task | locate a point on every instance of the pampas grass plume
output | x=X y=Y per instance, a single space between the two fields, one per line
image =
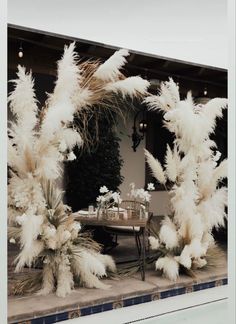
x=155 y=167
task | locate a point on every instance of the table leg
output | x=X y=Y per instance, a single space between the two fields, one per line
x=143 y=256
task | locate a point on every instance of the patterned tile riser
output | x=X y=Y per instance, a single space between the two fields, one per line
x=123 y=303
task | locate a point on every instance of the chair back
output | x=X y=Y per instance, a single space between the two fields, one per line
x=133 y=207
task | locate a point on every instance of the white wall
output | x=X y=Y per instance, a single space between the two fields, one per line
x=188 y=30
x=133 y=168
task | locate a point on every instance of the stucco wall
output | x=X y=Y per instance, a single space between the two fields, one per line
x=133 y=169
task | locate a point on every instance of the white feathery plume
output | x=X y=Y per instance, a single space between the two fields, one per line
x=25 y=193
x=185 y=259
x=110 y=69
x=196 y=203
x=71 y=156
x=48 y=281
x=49 y=166
x=205 y=150
x=168 y=234
x=12 y=214
x=173 y=89
x=170 y=165
x=65 y=282
x=213 y=109
x=221 y=171
x=176 y=158
x=167 y=99
x=182 y=120
x=81 y=98
x=68 y=75
x=49 y=233
x=129 y=87
x=169 y=266
x=22 y=100
x=183 y=202
x=30 y=229
x=28 y=256
x=58 y=114
x=61 y=104
x=188 y=167
x=62 y=235
x=87 y=268
x=205 y=173
x=207 y=115
x=217 y=156
x=207 y=240
x=216 y=205
x=24 y=107
x=155 y=167
x=195 y=226
x=152 y=102
x=199 y=263
x=196 y=249
x=154 y=242
x=71 y=138
x=106 y=260
x=13 y=158
x=92 y=263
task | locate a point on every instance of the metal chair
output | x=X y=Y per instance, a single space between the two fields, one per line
x=136 y=231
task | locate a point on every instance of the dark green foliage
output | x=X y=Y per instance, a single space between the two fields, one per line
x=91 y=170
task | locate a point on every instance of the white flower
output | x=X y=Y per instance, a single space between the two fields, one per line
x=150 y=186
x=101 y=199
x=116 y=197
x=146 y=196
x=12 y=240
x=103 y=189
x=142 y=194
x=71 y=156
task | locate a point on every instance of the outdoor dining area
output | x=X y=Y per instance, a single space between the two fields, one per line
x=102 y=212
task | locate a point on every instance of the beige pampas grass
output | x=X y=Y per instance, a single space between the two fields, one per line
x=132 y=86
x=197 y=204
x=155 y=167
x=168 y=234
x=110 y=70
x=171 y=164
x=48 y=281
x=169 y=266
x=154 y=242
x=38 y=145
x=221 y=171
x=23 y=103
x=167 y=99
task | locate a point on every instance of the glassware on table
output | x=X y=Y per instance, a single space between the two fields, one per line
x=125 y=214
x=90 y=210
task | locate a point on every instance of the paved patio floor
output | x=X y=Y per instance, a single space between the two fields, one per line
x=50 y=309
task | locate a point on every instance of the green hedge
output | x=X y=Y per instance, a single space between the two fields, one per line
x=101 y=165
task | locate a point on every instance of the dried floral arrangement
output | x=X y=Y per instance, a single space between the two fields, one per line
x=194 y=172
x=112 y=200
x=38 y=144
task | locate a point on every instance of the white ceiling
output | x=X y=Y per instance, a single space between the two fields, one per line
x=189 y=30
